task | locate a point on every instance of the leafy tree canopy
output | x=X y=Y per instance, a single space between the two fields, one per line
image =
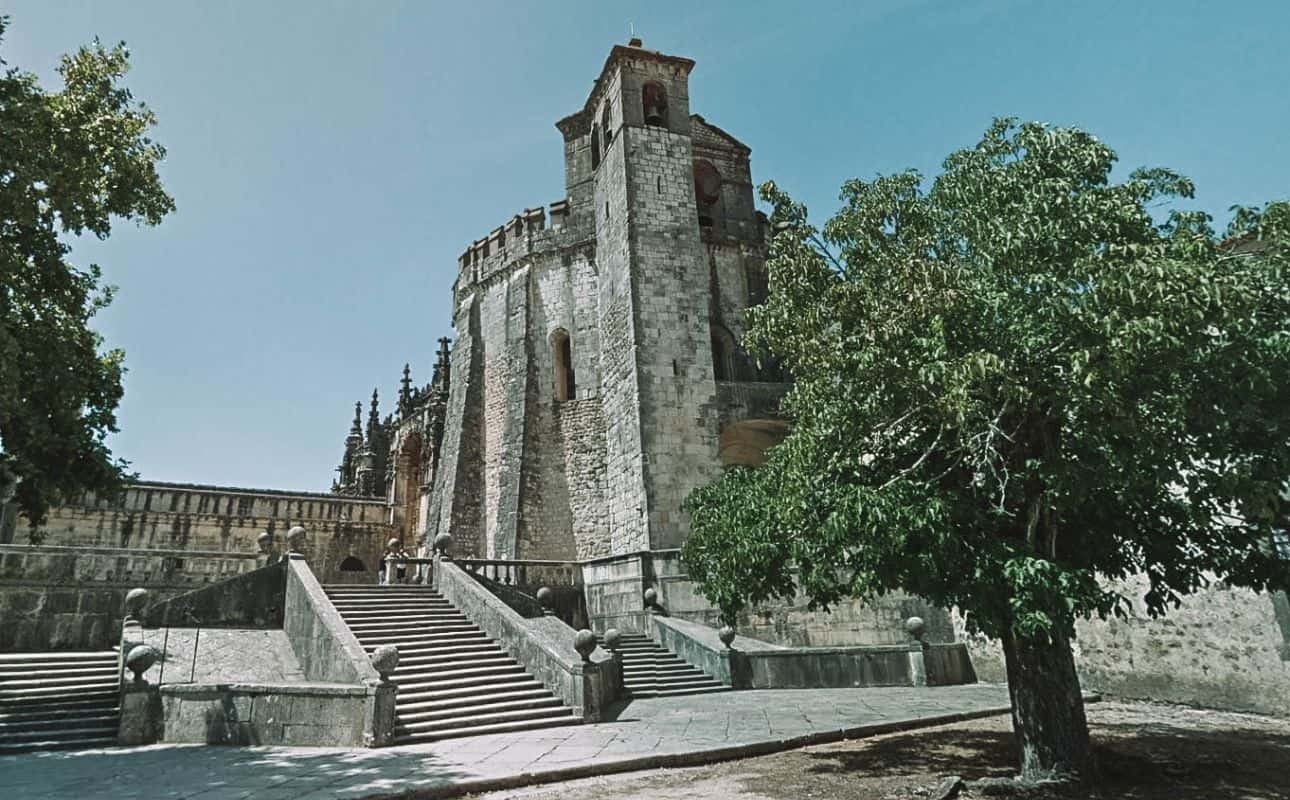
x=1010 y=384
x=70 y=162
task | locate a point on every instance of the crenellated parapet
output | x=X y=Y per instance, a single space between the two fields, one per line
x=533 y=230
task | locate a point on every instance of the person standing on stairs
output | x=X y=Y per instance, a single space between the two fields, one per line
x=400 y=559
x=383 y=567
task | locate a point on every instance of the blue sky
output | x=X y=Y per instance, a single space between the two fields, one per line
x=330 y=160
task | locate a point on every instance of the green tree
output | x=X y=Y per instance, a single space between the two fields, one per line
x=1012 y=388
x=70 y=162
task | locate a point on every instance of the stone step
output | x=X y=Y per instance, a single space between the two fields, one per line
x=677 y=671
x=65 y=714
x=362 y=603
x=437 y=694
x=481 y=730
x=432 y=677
x=72 y=743
x=476 y=717
x=480 y=711
x=539 y=694
x=37 y=723
x=409 y=619
x=71 y=682
x=51 y=692
x=716 y=687
x=469 y=681
x=67 y=732
x=416 y=654
x=485 y=652
x=426 y=638
x=444 y=648
x=23 y=704
x=402 y=630
x=58 y=656
x=70 y=670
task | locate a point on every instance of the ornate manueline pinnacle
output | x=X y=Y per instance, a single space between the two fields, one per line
x=405 y=389
x=374 y=418
x=357 y=428
x=444 y=342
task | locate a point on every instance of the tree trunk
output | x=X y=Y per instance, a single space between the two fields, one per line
x=1047 y=709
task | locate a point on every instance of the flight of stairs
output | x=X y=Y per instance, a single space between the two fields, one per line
x=650 y=670
x=452 y=679
x=58 y=701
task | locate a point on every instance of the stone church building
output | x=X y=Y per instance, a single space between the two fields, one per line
x=595 y=376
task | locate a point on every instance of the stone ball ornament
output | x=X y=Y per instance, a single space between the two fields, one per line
x=385 y=659
x=584 y=641
x=392 y=543
x=726 y=635
x=135 y=600
x=546 y=598
x=613 y=638
x=264 y=541
x=443 y=543
x=915 y=627
x=651 y=597
x=140 y=659
x=296 y=539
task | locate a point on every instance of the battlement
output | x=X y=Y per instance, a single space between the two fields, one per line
x=517 y=230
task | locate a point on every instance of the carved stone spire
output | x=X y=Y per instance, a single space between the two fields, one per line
x=405 y=390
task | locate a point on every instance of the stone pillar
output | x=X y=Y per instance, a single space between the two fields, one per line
x=141 y=714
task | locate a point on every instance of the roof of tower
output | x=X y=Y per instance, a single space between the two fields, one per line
x=617 y=53
x=720 y=133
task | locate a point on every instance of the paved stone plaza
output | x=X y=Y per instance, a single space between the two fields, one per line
x=669 y=731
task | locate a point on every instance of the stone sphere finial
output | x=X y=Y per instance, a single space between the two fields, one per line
x=392 y=543
x=613 y=638
x=135 y=600
x=264 y=541
x=584 y=641
x=443 y=544
x=546 y=598
x=140 y=659
x=651 y=597
x=915 y=627
x=296 y=539
x=726 y=635
x=385 y=659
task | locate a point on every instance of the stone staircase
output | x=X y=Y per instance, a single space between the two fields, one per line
x=651 y=670
x=58 y=701
x=453 y=680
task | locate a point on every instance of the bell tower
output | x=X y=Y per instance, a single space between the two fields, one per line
x=658 y=389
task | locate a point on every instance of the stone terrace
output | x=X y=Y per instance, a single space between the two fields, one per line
x=646 y=733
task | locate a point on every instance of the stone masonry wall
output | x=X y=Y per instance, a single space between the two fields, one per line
x=674 y=361
x=1223 y=648
x=625 y=498
x=67 y=592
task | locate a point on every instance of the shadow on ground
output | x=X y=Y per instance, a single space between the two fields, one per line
x=1138 y=760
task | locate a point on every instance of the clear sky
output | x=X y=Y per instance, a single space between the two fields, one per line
x=331 y=160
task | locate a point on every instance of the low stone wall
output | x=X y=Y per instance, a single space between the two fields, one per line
x=309 y=715
x=251 y=600
x=756 y=665
x=615 y=586
x=327 y=649
x=543 y=645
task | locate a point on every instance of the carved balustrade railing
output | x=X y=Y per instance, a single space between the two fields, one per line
x=512 y=572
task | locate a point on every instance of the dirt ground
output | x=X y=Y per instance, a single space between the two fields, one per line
x=1145 y=752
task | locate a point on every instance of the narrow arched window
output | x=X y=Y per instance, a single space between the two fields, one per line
x=595 y=147
x=654 y=104
x=562 y=351
x=606 y=128
x=707 y=191
x=724 y=353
